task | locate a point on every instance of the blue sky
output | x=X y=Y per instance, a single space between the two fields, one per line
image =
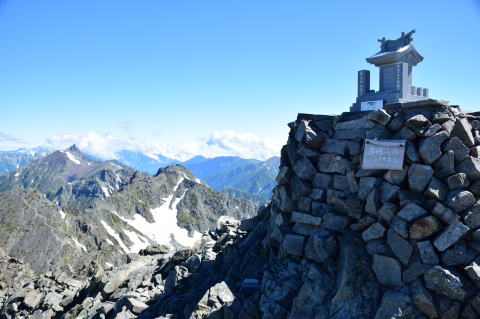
x=170 y=73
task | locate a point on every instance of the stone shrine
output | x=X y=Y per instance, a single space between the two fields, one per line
x=395 y=59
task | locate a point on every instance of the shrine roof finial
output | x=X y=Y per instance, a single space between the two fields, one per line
x=394 y=45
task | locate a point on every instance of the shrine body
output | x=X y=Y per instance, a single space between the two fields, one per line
x=395 y=61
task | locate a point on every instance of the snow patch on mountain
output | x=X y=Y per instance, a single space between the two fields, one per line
x=71 y=157
x=165 y=224
x=114 y=234
x=78 y=244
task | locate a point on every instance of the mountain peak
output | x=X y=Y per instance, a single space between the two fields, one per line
x=73 y=149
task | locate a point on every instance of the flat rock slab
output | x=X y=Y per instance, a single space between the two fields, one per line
x=444 y=282
x=419 y=177
x=387 y=270
x=412 y=211
x=450 y=236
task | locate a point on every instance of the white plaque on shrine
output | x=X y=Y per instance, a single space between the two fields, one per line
x=371 y=105
x=383 y=154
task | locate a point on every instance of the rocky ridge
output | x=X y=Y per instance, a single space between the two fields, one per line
x=336 y=241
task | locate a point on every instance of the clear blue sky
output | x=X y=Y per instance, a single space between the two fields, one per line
x=173 y=70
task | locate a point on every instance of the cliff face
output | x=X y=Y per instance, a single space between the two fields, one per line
x=336 y=241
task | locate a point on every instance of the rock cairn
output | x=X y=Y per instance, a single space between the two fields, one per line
x=421 y=225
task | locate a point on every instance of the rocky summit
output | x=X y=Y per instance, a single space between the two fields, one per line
x=335 y=241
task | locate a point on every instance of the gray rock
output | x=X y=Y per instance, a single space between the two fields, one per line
x=404 y=134
x=450 y=236
x=301 y=129
x=380 y=116
x=284 y=175
x=379 y=132
x=136 y=306
x=304 y=169
x=458 y=181
x=459 y=254
x=422 y=299
x=283 y=199
x=437 y=189
x=432 y=130
x=395 y=124
x=387 y=212
x=313 y=139
x=319 y=248
x=430 y=150
x=463 y=131
x=395 y=177
x=352 y=182
x=419 y=176
x=387 y=270
x=395 y=304
x=334 y=146
x=376 y=247
x=400 y=247
x=414 y=271
x=412 y=211
x=356 y=290
x=318 y=194
x=363 y=223
x=322 y=180
x=407 y=197
x=418 y=124
x=445 y=214
x=32 y=299
x=362 y=122
x=305 y=219
x=305 y=151
x=299 y=188
x=373 y=201
x=330 y=163
x=472 y=217
x=389 y=192
x=427 y=253
x=459 y=200
x=470 y=166
x=365 y=186
x=311 y=296
x=375 y=231
x=400 y=226
x=340 y=182
x=458 y=148
x=304 y=204
x=350 y=206
x=336 y=222
x=445 y=165
x=444 y=282
x=424 y=227
x=353 y=135
x=411 y=152
x=293 y=244
x=473 y=271
x=448 y=126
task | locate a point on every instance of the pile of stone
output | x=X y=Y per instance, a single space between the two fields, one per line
x=159 y=283
x=420 y=224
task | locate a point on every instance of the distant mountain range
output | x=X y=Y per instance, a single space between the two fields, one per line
x=237 y=177
x=61 y=207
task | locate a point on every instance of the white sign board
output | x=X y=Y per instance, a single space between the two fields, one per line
x=383 y=154
x=371 y=105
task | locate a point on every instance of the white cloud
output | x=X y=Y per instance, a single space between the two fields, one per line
x=226 y=143
x=103 y=146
